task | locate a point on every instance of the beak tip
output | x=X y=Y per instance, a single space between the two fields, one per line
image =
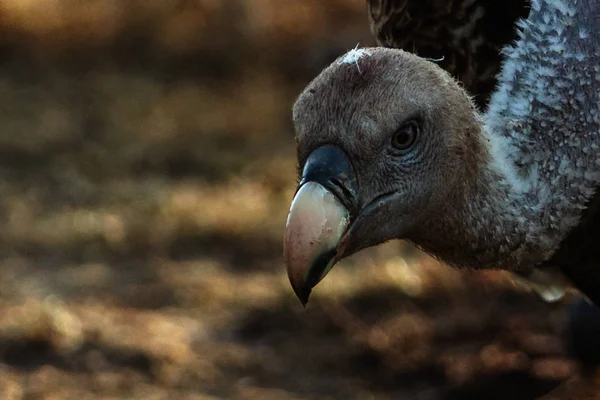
x=303 y=293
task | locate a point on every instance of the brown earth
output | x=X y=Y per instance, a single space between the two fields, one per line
x=146 y=166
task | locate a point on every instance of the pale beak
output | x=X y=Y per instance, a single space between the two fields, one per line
x=319 y=216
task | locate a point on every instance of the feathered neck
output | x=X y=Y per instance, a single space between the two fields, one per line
x=541 y=132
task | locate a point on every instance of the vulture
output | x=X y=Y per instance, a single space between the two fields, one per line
x=391 y=146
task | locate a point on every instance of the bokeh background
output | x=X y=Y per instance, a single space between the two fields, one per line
x=146 y=166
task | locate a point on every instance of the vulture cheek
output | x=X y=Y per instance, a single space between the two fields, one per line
x=378 y=222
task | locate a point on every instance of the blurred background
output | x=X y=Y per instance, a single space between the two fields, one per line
x=146 y=167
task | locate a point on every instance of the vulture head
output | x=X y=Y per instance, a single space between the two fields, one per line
x=388 y=147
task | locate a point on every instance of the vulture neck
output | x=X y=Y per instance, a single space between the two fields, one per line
x=541 y=134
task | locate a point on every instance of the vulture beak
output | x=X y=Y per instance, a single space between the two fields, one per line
x=319 y=217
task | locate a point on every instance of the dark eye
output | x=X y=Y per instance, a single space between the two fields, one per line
x=405 y=136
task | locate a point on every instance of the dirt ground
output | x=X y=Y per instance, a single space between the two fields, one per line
x=146 y=167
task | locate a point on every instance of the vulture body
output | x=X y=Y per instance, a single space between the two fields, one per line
x=390 y=146
x=466 y=36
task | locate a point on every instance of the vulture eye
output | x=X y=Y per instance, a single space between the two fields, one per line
x=405 y=136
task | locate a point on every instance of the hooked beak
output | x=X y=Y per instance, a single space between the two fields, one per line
x=320 y=214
